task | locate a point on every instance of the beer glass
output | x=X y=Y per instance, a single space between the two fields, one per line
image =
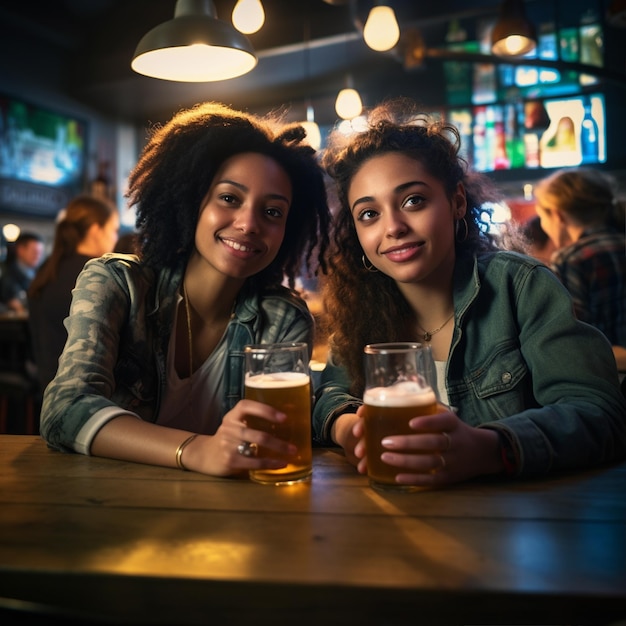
x=400 y=384
x=278 y=375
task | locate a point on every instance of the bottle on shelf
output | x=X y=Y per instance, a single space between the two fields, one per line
x=589 y=135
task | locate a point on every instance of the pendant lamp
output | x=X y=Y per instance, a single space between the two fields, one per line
x=248 y=16
x=381 y=31
x=195 y=46
x=348 y=104
x=513 y=34
x=313 y=134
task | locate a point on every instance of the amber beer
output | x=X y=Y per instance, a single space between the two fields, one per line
x=388 y=411
x=289 y=392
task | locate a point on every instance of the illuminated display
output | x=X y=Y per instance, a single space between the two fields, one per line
x=548 y=133
x=39 y=146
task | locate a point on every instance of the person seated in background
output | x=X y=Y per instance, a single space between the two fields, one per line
x=529 y=388
x=23 y=259
x=87 y=228
x=580 y=212
x=228 y=205
x=540 y=246
x=127 y=244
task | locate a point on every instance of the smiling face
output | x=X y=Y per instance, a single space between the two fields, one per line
x=404 y=219
x=243 y=217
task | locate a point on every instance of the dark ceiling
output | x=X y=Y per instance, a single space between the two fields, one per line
x=306 y=50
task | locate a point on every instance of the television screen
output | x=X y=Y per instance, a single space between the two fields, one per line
x=40 y=146
x=548 y=133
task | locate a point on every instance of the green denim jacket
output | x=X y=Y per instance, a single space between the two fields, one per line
x=120 y=321
x=519 y=363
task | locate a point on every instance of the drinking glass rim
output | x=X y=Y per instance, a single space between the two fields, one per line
x=395 y=347
x=274 y=347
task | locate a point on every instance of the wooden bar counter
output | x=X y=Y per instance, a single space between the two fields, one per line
x=102 y=541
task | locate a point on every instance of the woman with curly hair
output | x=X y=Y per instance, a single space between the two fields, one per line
x=228 y=206
x=533 y=389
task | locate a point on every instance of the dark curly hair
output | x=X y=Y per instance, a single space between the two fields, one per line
x=179 y=162
x=364 y=307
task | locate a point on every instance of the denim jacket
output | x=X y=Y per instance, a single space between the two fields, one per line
x=519 y=363
x=120 y=321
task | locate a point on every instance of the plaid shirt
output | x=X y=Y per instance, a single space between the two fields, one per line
x=594 y=271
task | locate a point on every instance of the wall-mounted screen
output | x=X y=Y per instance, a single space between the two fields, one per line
x=40 y=146
x=549 y=133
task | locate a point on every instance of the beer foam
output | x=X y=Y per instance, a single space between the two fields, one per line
x=277 y=380
x=405 y=393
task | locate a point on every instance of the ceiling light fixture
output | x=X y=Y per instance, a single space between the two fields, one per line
x=248 y=16
x=348 y=104
x=195 y=46
x=313 y=134
x=381 y=31
x=513 y=34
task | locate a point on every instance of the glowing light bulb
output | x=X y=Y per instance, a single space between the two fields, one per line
x=381 y=31
x=11 y=232
x=348 y=104
x=248 y=16
x=313 y=134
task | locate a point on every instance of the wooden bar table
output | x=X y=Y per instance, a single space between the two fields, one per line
x=104 y=541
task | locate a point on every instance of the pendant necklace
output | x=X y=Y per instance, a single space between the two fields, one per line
x=428 y=335
x=190 y=345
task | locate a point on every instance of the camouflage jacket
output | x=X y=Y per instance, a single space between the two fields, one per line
x=114 y=361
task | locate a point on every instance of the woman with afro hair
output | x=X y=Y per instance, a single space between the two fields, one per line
x=230 y=206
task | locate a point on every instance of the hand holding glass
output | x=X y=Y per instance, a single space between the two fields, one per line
x=400 y=384
x=278 y=375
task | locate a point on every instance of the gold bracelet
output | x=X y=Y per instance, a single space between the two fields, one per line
x=179 y=452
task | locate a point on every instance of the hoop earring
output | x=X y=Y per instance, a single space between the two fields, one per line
x=465 y=234
x=370 y=267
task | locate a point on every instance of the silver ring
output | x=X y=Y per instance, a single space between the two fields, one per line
x=443 y=462
x=247 y=449
x=448 y=440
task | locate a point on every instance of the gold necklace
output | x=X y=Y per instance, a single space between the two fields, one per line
x=190 y=343
x=428 y=335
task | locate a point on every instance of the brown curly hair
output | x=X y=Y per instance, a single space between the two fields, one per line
x=364 y=307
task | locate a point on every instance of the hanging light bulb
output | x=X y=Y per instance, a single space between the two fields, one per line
x=248 y=16
x=513 y=34
x=381 y=31
x=348 y=104
x=313 y=135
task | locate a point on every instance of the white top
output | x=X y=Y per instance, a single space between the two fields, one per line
x=440 y=367
x=195 y=404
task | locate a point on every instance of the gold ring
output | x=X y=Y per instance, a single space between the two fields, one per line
x=448 y=441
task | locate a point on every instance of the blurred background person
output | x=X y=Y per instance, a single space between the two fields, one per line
x=540 y=246
x=87 y=228
x=584 y=219
x=23 y=259
x=128 y=243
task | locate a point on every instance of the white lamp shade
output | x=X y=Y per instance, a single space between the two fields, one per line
x=195 y=46
x=313 y=134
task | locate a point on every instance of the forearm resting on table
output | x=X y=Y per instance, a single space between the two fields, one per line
x=130 y=439
x=341 y=434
